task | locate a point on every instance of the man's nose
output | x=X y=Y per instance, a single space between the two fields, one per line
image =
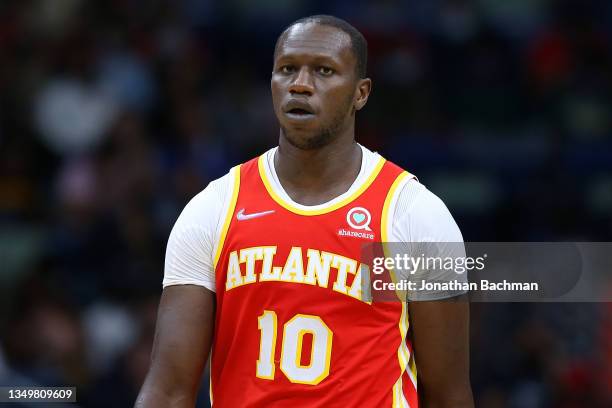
x=302 y=84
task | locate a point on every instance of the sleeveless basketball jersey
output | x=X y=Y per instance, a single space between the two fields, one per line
x=292 y=328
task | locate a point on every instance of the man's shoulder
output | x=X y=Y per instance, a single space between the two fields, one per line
x=220 y=188
x=425 y=215
x=214 y=194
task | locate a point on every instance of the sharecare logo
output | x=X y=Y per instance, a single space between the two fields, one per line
x=347 y=233
x=359 y=218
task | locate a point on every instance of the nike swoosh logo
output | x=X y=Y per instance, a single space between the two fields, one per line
x=241 y=216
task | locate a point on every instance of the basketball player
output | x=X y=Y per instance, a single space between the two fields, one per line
x=262 y=267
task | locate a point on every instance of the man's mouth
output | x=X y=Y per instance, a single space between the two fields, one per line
x=299 y=115
x=299 y=110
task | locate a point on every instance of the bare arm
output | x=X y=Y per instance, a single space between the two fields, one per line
x=440 y=332
x=182 y=343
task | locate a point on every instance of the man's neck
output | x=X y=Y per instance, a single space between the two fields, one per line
x=312 y=177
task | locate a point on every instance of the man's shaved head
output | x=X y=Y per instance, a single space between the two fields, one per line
x=359 y=45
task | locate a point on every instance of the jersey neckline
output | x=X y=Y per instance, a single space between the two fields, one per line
x=274 y=188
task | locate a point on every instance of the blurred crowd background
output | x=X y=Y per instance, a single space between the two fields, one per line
x=113 y=114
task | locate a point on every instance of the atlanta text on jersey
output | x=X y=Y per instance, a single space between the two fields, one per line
x=317 y=269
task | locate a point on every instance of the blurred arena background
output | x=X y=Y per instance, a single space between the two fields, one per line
x=113 y=114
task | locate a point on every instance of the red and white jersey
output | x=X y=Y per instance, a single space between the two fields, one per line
x=292 y=327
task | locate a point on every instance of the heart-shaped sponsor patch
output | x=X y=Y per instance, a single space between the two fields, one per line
x=358 y=217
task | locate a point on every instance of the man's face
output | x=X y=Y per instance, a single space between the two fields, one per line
x=314 y=84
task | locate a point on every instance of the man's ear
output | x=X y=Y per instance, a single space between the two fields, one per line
x=362 y=92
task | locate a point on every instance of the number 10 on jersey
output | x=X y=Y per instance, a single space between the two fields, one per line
x=291 y=348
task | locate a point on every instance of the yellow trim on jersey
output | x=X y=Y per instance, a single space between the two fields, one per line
x=229 y=214
x=210 y=393
x=385 y=223
x=403 y=354
x=384 y=227
x=299 y=211
x=226 y=224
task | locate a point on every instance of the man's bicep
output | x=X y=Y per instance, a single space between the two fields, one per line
x=182 y=343
x=440 y=334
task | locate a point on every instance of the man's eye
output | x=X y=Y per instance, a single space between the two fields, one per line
x=287 y=69
x=325 y=71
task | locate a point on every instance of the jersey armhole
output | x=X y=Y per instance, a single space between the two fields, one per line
x=389 y=207
x=228 y=212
